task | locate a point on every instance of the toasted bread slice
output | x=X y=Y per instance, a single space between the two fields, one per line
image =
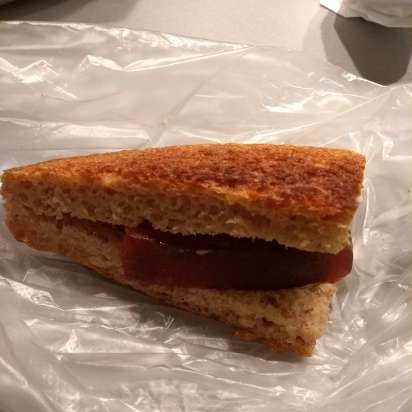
x=287 y=320
x=303 y=197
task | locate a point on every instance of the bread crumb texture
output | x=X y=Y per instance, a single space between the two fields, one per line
x=302 y=197
x=286 y=320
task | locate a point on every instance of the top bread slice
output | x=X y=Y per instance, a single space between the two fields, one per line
x=302 y=197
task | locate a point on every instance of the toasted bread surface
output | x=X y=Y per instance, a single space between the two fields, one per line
x=286 y=320
x=302 y=197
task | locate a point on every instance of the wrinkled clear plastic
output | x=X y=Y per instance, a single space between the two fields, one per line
x=71 y=341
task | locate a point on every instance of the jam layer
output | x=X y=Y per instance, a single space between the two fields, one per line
x=225 y=262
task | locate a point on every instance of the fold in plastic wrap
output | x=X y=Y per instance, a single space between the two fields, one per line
x=71 y=341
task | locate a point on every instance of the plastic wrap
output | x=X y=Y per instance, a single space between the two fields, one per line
x=71 y=341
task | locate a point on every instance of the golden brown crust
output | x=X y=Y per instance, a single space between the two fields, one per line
x=286 y=320
x=303 y=197
x=311 y=181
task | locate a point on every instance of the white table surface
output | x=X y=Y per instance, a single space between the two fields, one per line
x=377 y=53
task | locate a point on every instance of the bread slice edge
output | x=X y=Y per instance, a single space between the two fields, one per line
x=301 y=197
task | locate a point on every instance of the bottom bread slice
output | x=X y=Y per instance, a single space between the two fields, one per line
x=287 y=320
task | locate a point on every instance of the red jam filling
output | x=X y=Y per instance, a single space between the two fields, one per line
x=225 y=262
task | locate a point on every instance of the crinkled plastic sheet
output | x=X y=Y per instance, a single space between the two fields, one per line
x=71 y=341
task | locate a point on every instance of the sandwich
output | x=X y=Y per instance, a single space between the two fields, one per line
x=255 y=236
